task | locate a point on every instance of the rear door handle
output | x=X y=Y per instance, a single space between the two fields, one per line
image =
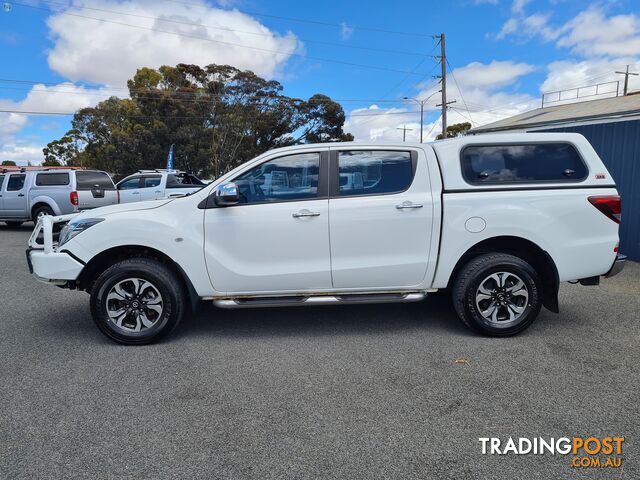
x=135 y=193
x=21 y=194
x=404 y=205
x=305 y=213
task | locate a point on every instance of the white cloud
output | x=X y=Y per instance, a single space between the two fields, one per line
x=481 y=86
x=64 y=97
x=108 y=53
x=592 y=33
x=381 y=124
x=492 y=75
x=569 y=74
x=345 y=31
x=518 y=5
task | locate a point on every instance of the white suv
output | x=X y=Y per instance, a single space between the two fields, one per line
x=500 y=220
x=156 y=184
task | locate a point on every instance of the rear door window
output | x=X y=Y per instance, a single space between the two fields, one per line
x=91 y=180
x=130 y=183
x=522 y=163
x=16 y=182
x=52 y=179
x=152 y=181
x=371 y=172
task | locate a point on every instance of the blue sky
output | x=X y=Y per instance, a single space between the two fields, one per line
x=502 y=53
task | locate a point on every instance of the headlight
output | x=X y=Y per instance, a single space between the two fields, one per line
x=72 y=229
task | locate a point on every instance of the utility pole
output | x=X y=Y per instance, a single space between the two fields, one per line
x=626 y=79
x=443 y=90
x=404 y=132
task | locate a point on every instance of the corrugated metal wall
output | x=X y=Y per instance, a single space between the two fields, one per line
x=618 y=144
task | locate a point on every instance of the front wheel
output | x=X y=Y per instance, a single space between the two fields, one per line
x=137 y=301
x=497 y=294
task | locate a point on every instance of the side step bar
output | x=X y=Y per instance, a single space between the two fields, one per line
x=320 y=300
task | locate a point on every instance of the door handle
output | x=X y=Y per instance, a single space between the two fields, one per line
x=135 y=193
x=158 y=191
x=404 y=205
x=305 y=213
x=21 y=194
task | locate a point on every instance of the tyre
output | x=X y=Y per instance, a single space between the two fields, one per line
x=13 y=224
x=137 y=301
x=497 y=294
x=40 y=211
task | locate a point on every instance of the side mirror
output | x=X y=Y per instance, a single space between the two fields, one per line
x=227 y=194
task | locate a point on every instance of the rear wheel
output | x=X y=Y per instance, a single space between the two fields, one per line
x=41 y=211
x=13 y=224
x=497 y=294
x=137 y=301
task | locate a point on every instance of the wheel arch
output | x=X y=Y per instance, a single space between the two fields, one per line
x=529 y=251
x=106 y=258
x=42 y=202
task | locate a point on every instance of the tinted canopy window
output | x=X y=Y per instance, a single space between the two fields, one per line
x=374 y=172
x=48 y=179
x=543 y=162
x=293 y=177
x=91 y=180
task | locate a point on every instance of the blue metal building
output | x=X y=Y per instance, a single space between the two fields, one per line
x=612 y=125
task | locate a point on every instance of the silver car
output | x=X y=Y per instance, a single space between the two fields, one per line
x=26 y=194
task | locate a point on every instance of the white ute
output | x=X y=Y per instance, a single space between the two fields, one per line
x=499 y=220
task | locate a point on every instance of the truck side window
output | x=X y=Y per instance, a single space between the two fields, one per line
x=370 y=172
x=522 y=163
x=129 y=184
x=151 y=181
x=52 y=179
x=292 y=177
x=16 y=182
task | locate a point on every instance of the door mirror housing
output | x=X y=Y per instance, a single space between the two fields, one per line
x=227 y=194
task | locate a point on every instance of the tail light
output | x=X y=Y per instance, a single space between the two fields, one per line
x=118 y=195
x=73 y=198
x=610 y=205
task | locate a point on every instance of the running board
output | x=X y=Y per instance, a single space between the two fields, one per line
x=320 y=300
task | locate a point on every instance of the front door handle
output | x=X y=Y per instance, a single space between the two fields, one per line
x=135 y=193
x=305 y=213
x=21 y=194
x=404 y=205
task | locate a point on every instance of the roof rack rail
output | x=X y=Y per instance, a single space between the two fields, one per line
x=34 y=168
x=158 y=170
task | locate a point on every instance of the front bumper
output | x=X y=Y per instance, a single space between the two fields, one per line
x=617 y=266
x=44 y=262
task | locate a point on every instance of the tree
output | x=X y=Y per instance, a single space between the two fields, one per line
x=8 y=163
x=456 y=130
x=216 y=116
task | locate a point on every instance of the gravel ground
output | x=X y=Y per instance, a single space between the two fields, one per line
x=348 y=392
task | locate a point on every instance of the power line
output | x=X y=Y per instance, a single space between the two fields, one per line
x=35 y=112
x=232 y=30
x=222 y=42
x=314 y=22
x=169 y=96
x=459 y=90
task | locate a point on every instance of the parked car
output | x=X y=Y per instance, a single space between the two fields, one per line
x=157 y=184
x=26 y=194
x=499 y=220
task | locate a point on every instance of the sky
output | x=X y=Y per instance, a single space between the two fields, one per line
x=60 y=55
